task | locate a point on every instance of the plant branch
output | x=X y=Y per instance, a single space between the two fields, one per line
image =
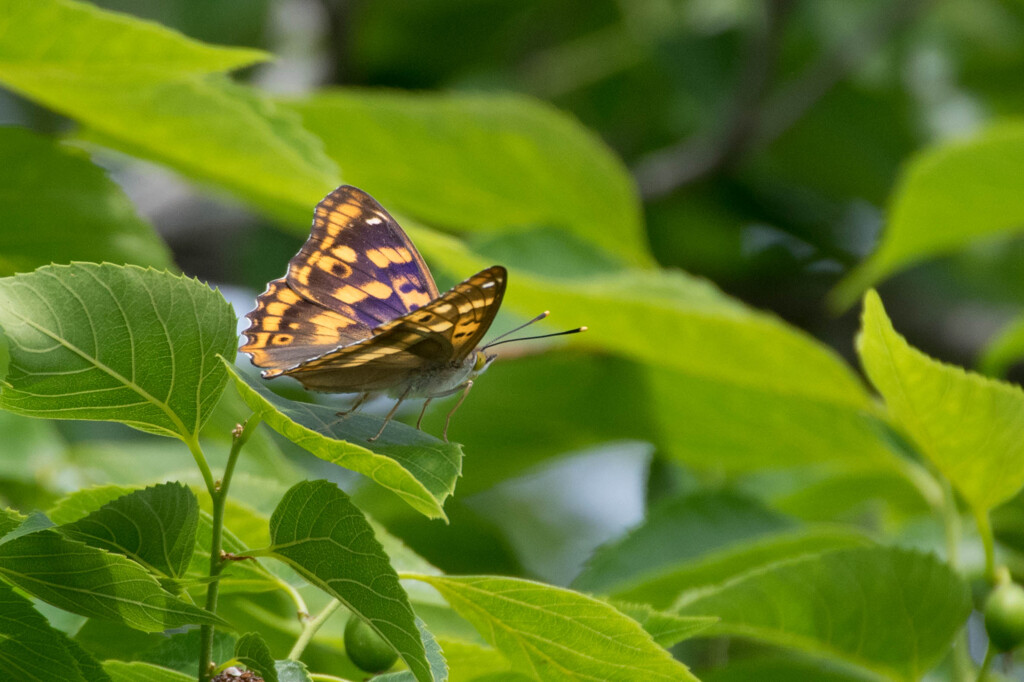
x=310 y=627
x=219 y=496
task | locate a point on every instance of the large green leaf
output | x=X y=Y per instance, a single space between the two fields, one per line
x=59 y=207
x=948 y=197
x=971 y=427
x=323 y=536
x=115 y=343
x=677 y=531
x=551 y=633
x=32 y=651
x=481 y=162
x=888 y=610
x=700 y=540
x=155 y=527
x=417 y=467
x=91 y=582
x=155 y=93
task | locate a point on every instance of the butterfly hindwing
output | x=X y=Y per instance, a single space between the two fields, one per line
x=358 y=261
x=446 y=330
x=286 y=330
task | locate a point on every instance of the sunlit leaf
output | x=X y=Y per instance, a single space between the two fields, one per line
x=417 y=467
x=155 y=93
x=115 y=343
x=949 y=196
x=888 y=610
x=481 y=162
x=155 y=527
x=970 y=427
x=32 y=651
x=323 y=536
x=59 y=207
x=554 y=634
x=90 y=582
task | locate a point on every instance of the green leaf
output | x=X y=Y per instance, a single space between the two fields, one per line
x=481 y=162
x=123 y=671
x=32 y=651
x=323 y=536
x=155 y=527
x=155 y=93
x=417 y=467
x=24 y=525
x=667 y=629
x=778 y=668
x=292 y=671
x=181 y=650
x=95 y=342
x=948 y=197
x=94 y=583
x=674 y=532
x=59 y=207
x=891 y=611
x=554 y=634
x=1004 y=351
x=969 y=426
x=106 y=44
x=254 y=654
x=661 y=588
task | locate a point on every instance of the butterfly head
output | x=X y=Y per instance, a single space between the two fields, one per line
x=481 y=362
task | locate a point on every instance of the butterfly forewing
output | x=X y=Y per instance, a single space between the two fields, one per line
x=286 y=330
x=359 y=262
x=444 y=331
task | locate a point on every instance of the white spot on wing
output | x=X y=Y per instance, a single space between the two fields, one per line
x=374 y=221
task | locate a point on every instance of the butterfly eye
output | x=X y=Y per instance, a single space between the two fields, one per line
x=480 y=363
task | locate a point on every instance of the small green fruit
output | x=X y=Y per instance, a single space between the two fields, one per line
x=1004 y=616
x=366 y=648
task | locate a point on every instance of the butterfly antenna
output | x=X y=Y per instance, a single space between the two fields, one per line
x=522 y=326
x=498 y=341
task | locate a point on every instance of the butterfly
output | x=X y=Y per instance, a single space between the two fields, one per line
x=359 y=312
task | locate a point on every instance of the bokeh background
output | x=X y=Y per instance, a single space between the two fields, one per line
x=765 y=139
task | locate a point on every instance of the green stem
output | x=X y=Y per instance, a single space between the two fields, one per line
x=204 y=467
x=985 y=531
x=990 y=654
x=310 y=627
x=219 y=496
x=951 y=524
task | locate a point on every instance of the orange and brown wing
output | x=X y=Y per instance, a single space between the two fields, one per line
x=286 y=330
x=359 y=262
x=446 y=330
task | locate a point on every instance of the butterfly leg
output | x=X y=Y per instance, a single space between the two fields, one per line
x=389 y=415
x=355 y=406
x=448 y=419
x=422 y=412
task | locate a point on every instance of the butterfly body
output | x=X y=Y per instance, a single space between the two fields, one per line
x=358 y=311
